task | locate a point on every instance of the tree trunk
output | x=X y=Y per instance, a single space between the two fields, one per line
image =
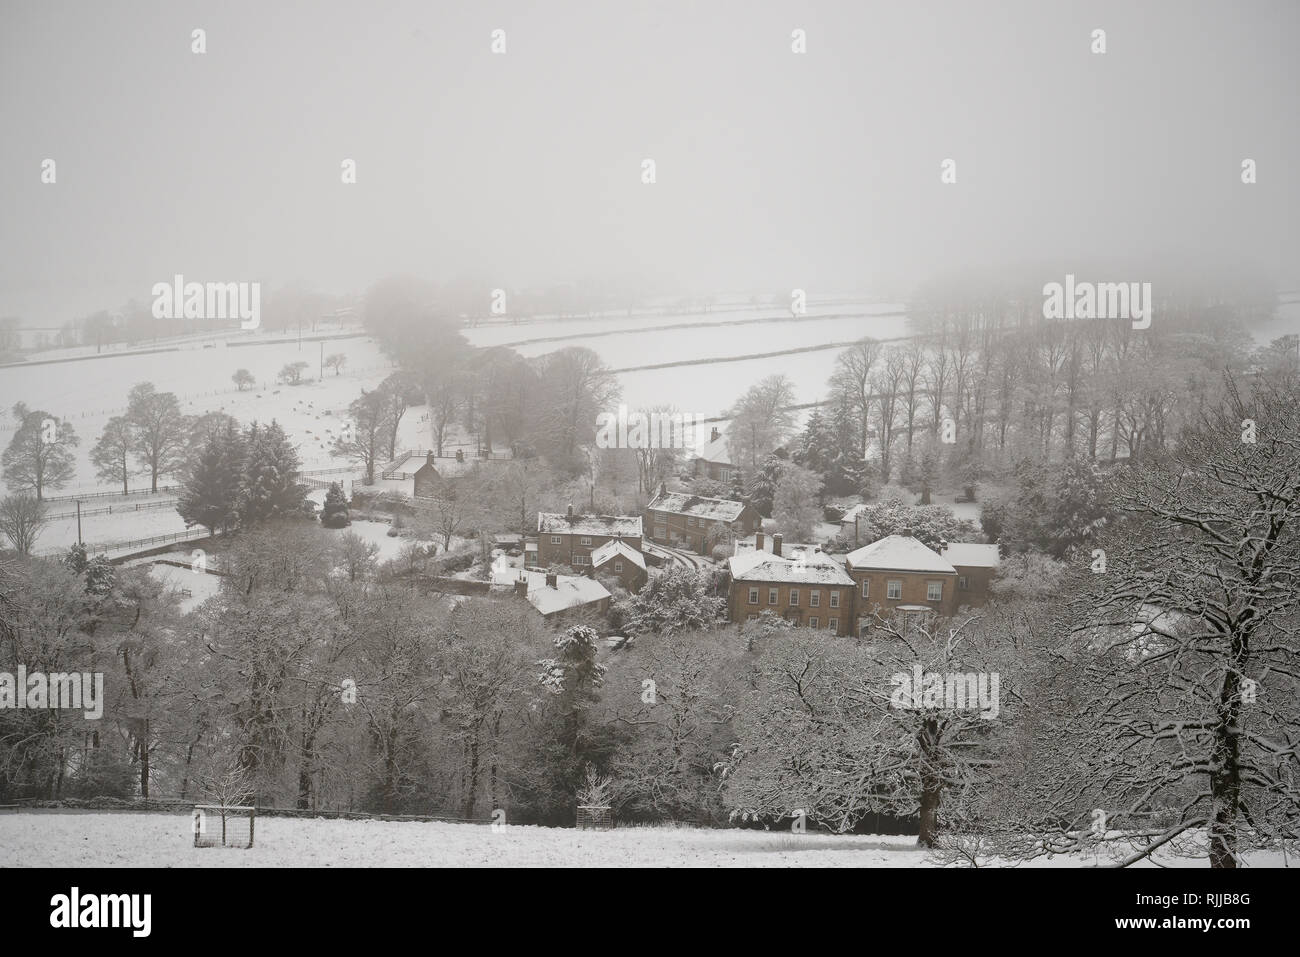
x=1225 y=776
x=931 y=786
x=144 y=762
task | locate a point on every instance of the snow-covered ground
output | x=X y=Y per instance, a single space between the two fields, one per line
x=127 y=839
x=200 y=586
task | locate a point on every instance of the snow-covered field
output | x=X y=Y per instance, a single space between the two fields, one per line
x=126 y=839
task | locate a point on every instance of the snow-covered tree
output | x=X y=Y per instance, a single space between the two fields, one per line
x=111 y=455
x=795 y=507
x=270 y=476
x=679 y=599
x=212 y=482
x=1180 y=698
x=39 y=456
x=899 y=725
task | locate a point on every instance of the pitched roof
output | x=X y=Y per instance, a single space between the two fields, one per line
x=808 y=567
x=616 y=547
x=697 y=506
x=715 y=450
x=558 y=523
x=570 y=591
x=972 y=556
x=900 y=553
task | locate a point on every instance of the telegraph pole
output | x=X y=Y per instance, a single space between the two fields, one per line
x=79 y=542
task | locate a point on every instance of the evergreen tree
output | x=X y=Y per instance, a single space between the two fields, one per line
x=762 y=490
x=1079 y=509
x=271 y=466
x=334 y=514
x=211 y=483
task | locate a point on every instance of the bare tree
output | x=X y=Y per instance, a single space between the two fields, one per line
x=21 y=519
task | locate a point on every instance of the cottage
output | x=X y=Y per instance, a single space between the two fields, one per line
x=685 y=521
x=625 y=563
x=712 y=460
x=570 y=538
x=554 y=595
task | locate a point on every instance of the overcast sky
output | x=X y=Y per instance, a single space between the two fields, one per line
x=774 y=169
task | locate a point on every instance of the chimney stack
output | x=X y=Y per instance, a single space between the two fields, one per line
x=570 y=512
x=758 y=540
x=428 y=459
x=716 y=434
x=552 y=580
x=663 y=488
x=776 y=544
x=521 y=586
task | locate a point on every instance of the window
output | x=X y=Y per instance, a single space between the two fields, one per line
x=555 y=539
x=753 y=597
x=814 y=598
x=934 y=591
x=894 y=589
x=812 y=622
x=771 y=596
x=584 y=540
x=753 y=618
x=618 y=566
x=833 y=626
x=835 y=599
x=963 y=583
x=690 y=522
x=794 y=597
x=866 y=588
x=725 y=475
x=581 y=560
x=659 y=519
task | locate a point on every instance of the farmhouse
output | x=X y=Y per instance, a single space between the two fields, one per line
x=685 y=520
x=806 y=587
x=713 y=459
x=554 y=595
x=570 y=538
x=619 y=559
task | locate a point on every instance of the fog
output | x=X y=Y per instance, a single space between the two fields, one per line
x=774 y=169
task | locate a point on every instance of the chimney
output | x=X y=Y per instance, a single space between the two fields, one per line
x=570 y=512
x=776 y=544
x=663 y=488
x=428 y=459
x=552 y=580
x=521 y=586
x=716 y=434
x=758 y=540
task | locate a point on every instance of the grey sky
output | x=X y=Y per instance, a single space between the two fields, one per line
x=774 y=169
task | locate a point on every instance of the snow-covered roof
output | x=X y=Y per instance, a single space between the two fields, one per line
x=715 y=450
x=570 y=591
x=558 y=523
x=697 y=506
x=807 y=567
x=972 y=556
x=900 y=553
x=615 y=547
x=850 y=514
